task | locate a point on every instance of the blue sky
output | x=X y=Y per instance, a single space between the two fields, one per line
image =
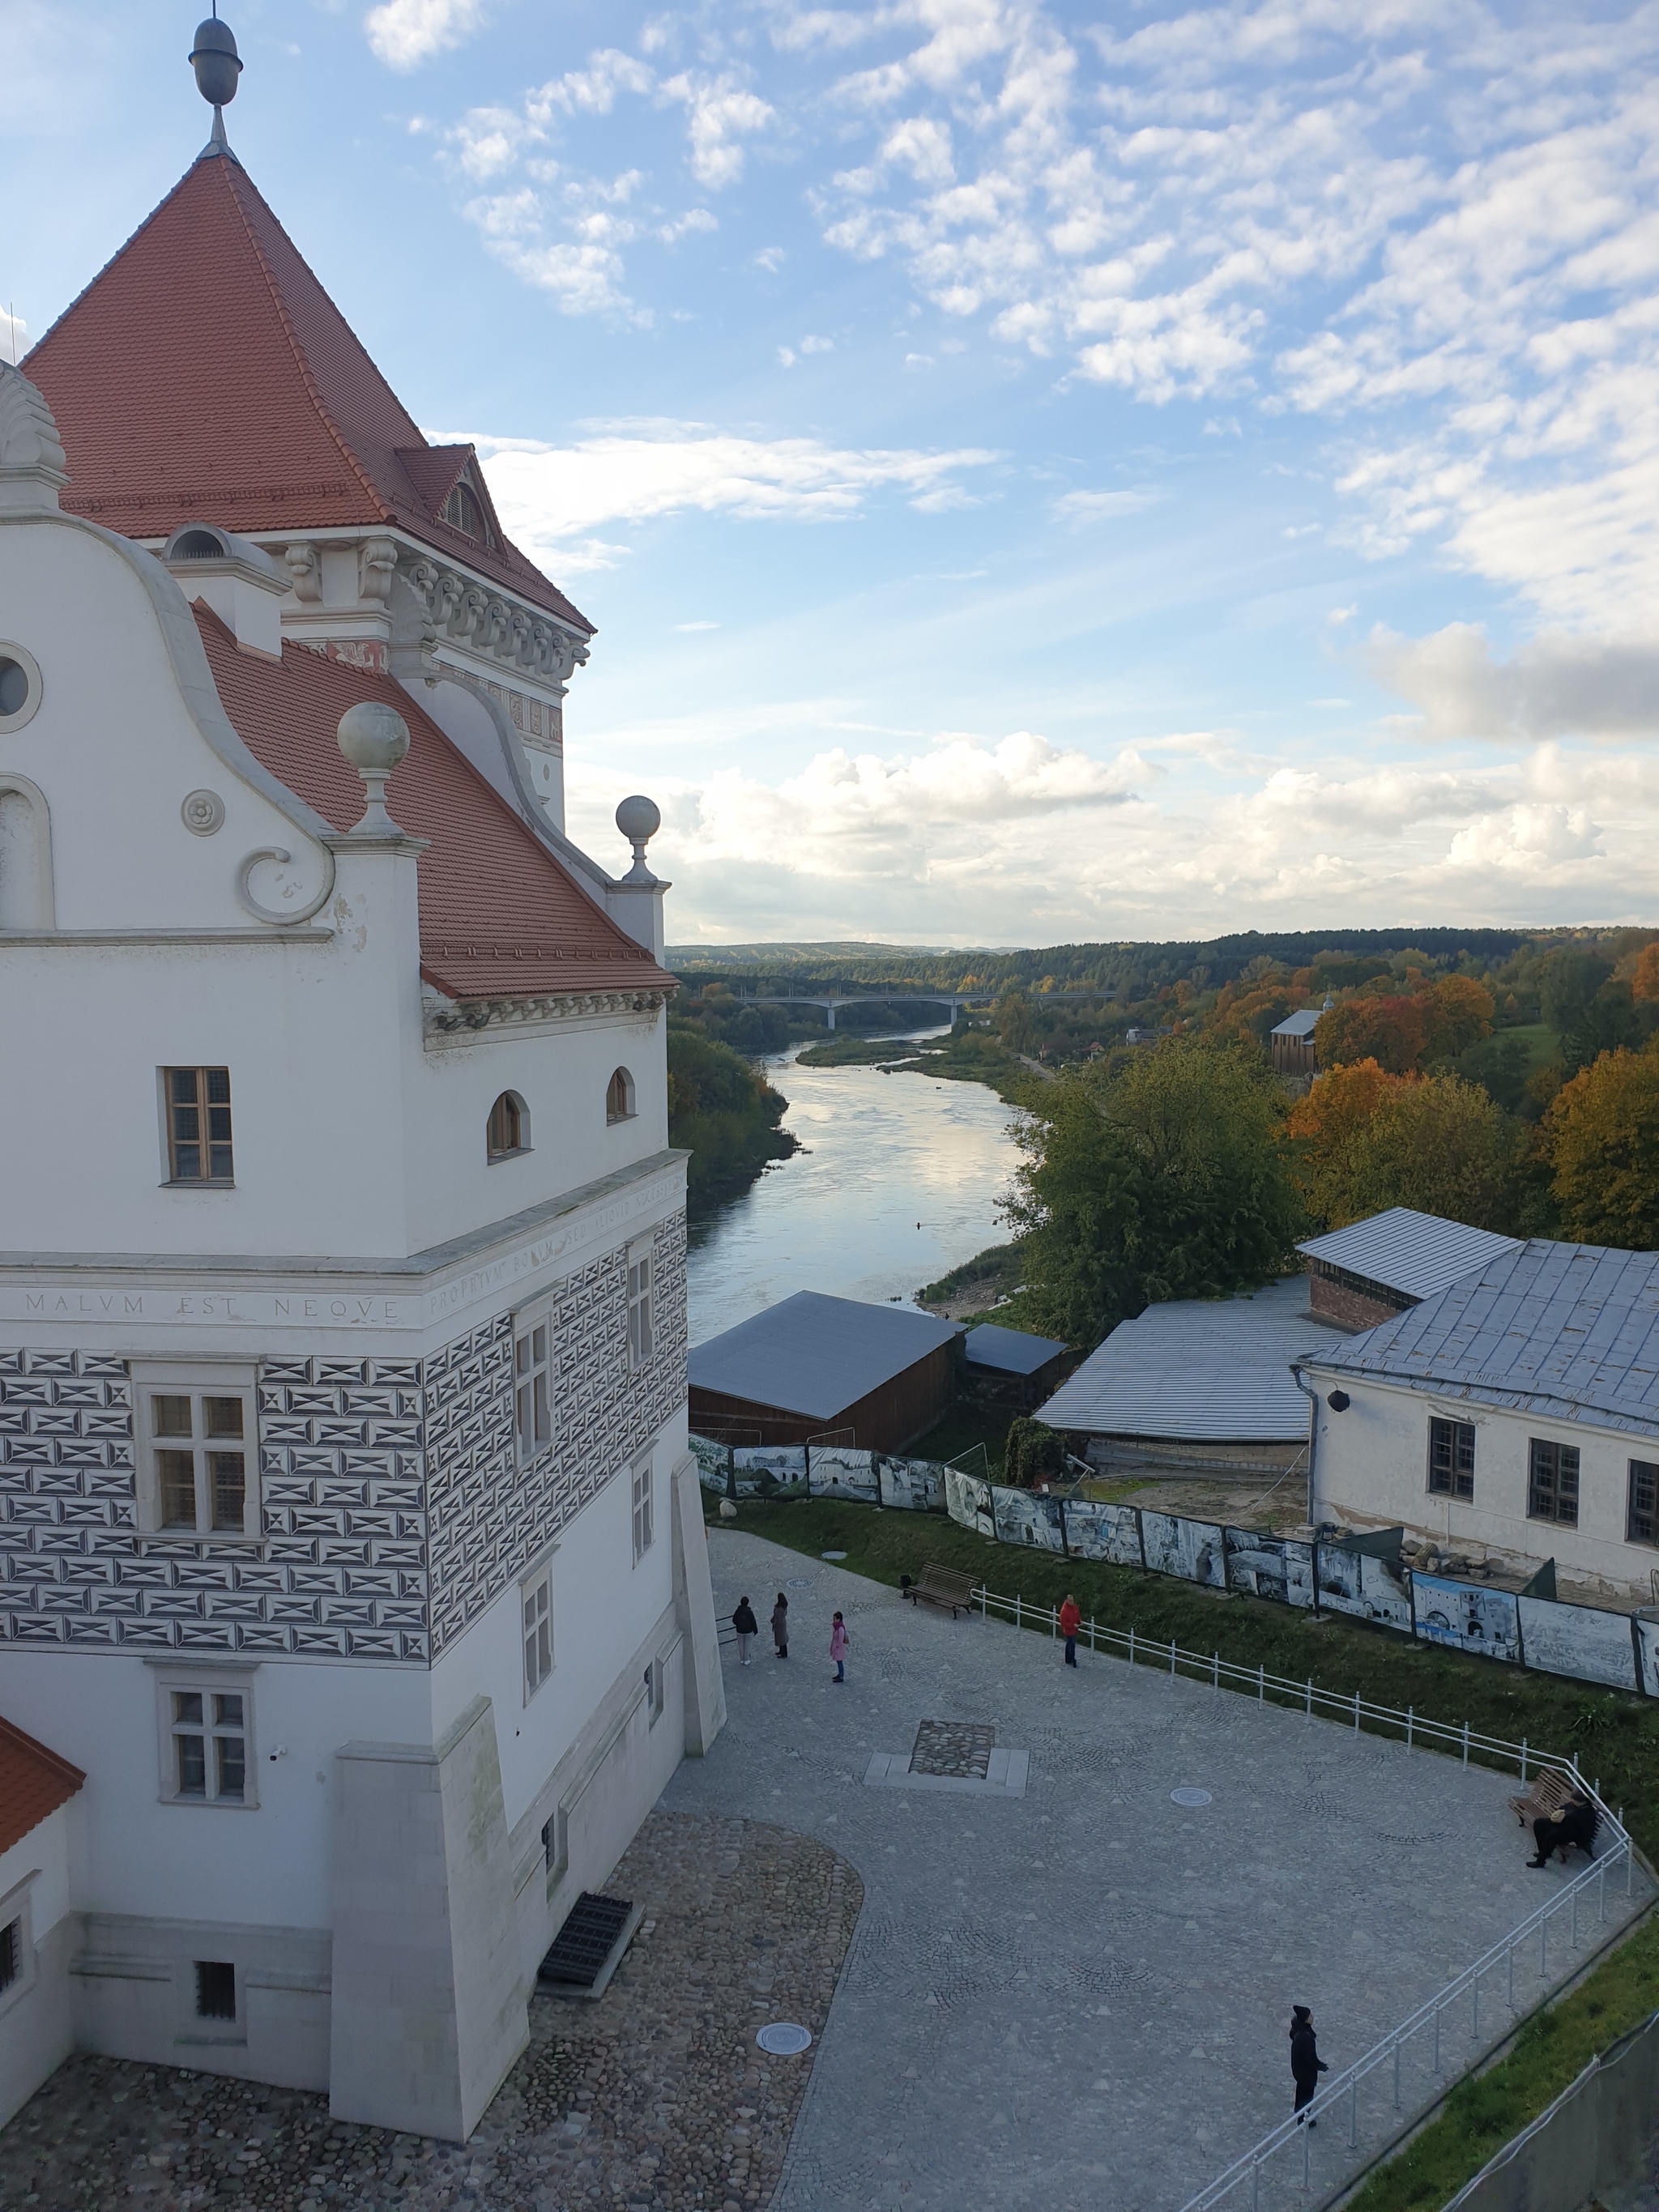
x=1038 y=473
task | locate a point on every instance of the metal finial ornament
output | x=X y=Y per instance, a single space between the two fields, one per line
x=217 y=66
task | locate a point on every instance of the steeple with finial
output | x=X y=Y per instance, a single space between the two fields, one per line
x=217 y=66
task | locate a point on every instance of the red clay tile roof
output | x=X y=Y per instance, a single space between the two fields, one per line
x=33 y=1782
x=204 y=375
x=499 y=917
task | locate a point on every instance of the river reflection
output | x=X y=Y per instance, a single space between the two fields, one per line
x=883 y=1154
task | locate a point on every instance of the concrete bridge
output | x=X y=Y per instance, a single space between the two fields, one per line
x=831 y=1001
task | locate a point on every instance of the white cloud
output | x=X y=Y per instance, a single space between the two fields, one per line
x=637 y=471
x=1081 y=507
x=405 y=32
x=14 y=336
x=720 y=113
x=1556 y=685
x=696 y=625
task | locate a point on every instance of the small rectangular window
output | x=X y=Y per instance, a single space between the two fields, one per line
x=196 y=1460
x=1553 y=1482
x=11 y=1953
x=640 y=1336
x=643 y=1529
x=1451 y=1458
x=1642 y=1522
x=537 y=1599
x=207 y=1745
x=532 y=1382
x=198 y=1124
x=215 y=1989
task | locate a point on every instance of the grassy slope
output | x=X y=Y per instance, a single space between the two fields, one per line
x=1617 y=1737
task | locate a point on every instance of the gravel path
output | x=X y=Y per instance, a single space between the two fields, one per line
x=655 y=2096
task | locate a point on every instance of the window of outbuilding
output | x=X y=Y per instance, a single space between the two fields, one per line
x=619 y=1097
x=1451 y=1458
x=1641 y=1516
x=508 y=1130
x=1553 y=1482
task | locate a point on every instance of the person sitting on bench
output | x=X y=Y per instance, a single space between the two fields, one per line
x=1572 y=1823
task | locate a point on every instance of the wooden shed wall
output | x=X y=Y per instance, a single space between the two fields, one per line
x=886 y=1419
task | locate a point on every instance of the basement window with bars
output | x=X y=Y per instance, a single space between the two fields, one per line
x=1451 y=1458
x=1553 y=1482
x=198 y=1101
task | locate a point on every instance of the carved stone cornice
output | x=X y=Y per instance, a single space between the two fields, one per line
x=488 y=622
x=456 y=1019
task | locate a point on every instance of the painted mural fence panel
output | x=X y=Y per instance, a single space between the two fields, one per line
x=915 y=1485
x=968 y=1501
x=1466 y=1616
x=1647 y=1652
x=1028 y=1517
x=838 y=1471
x=767 y=1470
x=1368 y=1587
x=1111 y=1532
x=714 y=1463
x=1195 y=1550
x=1270 y=1566
x=1573 y=1639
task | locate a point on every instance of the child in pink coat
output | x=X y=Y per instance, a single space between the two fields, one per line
x=838 y=1641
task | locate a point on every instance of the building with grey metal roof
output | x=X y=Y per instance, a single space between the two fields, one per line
x=1009 y=1351
x=1205 y=1372
x=812 y=1365
x=1514 y=1412
x=1361 y=1274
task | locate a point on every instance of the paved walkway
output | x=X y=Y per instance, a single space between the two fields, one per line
x=1080 y=1998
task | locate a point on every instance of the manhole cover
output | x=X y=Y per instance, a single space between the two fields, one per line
x=783 y=2038
x=800 y=1582
x=1184 y=1796
x=832 y=1555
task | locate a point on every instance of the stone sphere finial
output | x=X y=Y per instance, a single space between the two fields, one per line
x=373 y=738
x=639 y=819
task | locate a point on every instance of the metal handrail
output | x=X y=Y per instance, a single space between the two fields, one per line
x=1416 y=1730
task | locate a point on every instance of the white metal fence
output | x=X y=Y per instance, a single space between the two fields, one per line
x=1407 y=2069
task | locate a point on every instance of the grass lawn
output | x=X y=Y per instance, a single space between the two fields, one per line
x=1616 y=1737
x=1542 y=1042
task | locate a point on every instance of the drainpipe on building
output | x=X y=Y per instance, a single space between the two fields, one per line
x=1312 y=1397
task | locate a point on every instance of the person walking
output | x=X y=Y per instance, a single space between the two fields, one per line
x=1071 y=1619
x=838 y=1643
x=1306 y=2064
x=747 y=1626
x=780 y=1625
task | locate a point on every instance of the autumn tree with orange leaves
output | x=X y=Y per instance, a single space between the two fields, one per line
x=1603 y=1132
x=1364 y=1139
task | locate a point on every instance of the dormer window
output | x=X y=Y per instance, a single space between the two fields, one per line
x=463 y=510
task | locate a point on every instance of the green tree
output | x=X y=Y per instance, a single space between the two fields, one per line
x=1602 y=1135
x=724 y=1113
x=1444 y=1146
x=1165 y=1180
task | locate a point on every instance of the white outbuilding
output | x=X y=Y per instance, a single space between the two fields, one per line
x=349 y=1546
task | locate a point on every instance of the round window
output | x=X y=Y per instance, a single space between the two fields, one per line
x=20 y=686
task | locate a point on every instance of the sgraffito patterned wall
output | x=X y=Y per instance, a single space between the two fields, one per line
x=391 y=1509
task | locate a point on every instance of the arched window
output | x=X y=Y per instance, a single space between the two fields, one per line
x=619 y=1097
x=464 y=510
x=26 y=900
x=509 y=1127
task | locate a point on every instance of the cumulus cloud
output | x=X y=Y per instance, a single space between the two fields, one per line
x=1556 y=685
x=405 y=32
x=719 y=114
x=638 y=470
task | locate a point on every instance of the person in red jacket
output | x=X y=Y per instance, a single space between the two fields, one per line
x=1070 y=1621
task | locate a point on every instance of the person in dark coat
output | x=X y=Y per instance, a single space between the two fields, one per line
x=1306 y=2064
x=780 y=1625
x=747 y=1626
x=1572 y=1823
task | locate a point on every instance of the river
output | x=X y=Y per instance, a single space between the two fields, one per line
x=896 y=1183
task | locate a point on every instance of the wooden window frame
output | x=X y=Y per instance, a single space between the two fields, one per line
x=642 y=1504
x=630 y=1095
x=1553 y=1491
x=1646 y=1473
x=519 y=1129
x=641 y=1292
x=1455 y=1479
x=535 y=1413
x=160 y=1447
x=179 y=1142
x=536 y=1628
x=213 y=1727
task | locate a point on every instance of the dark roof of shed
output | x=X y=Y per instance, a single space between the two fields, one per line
x=814 y=1355
x=1567 y=1331
x=1415 y=1253
x=1011 y=1350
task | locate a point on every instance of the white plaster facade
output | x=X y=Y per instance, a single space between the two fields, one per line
x=416 y=1815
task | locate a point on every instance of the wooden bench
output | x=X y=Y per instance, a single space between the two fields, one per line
x=1549 y=1793
x=942 y=1586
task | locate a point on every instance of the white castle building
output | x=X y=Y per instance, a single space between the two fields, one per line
x=350 y=1547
